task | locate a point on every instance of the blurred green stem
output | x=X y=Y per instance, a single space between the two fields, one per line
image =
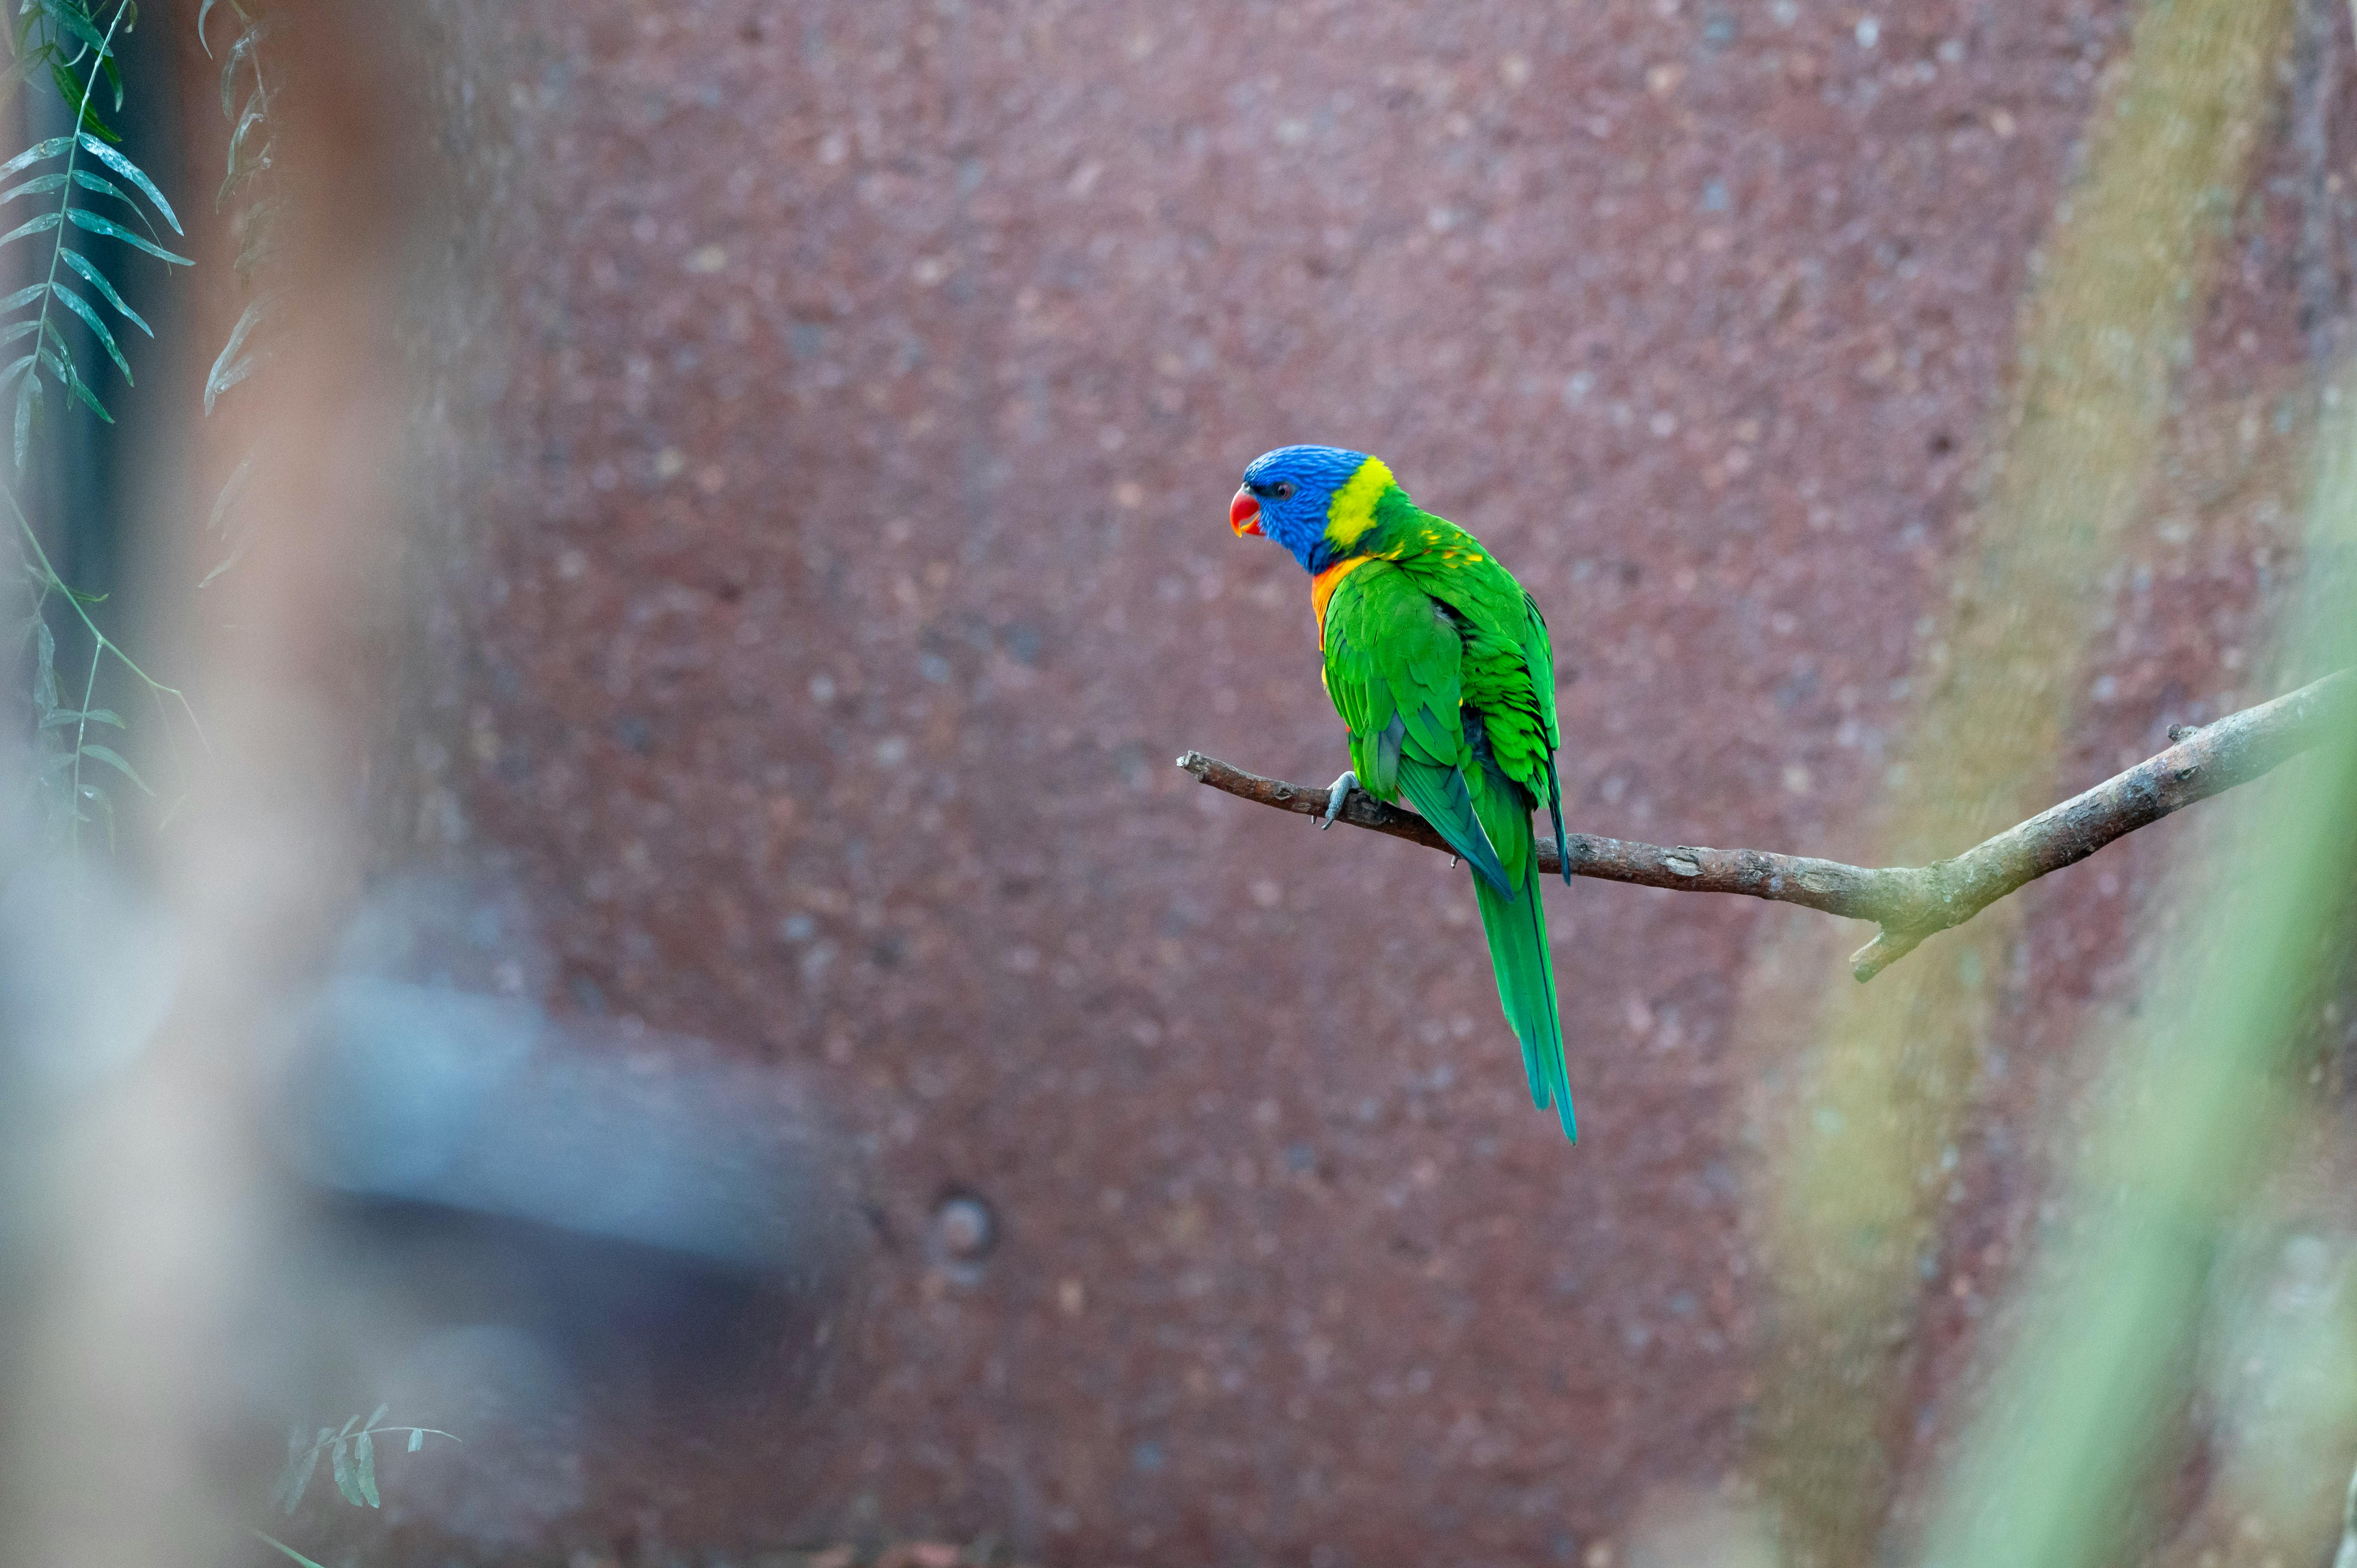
x=51 y=580
x=2076 y=1417
x=1858 y=1169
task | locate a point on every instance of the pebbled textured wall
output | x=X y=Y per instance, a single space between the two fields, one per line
x=841 y=559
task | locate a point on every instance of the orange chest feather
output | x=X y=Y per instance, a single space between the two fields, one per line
x=1322 y=587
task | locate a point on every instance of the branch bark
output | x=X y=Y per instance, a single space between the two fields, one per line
x=1909 y=903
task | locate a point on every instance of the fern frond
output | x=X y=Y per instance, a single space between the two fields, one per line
x=43 y=26
x=74 y=44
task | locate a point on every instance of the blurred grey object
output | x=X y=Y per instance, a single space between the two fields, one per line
x=483 y=1104
x=618 y=1192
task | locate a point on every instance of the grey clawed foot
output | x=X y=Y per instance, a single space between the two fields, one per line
x=1337 y=796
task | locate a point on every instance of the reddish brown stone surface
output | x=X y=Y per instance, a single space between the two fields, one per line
x=851 y=563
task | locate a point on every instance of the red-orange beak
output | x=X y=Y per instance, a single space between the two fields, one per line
x=1243 y=513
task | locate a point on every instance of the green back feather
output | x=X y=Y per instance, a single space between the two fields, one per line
x=1441 y=668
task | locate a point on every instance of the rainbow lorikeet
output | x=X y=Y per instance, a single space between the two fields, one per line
x=1439 y=663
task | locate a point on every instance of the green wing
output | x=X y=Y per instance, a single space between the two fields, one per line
x=1439 y=665
x=1508 y=661
x=1538 y=654
x=1393 y=668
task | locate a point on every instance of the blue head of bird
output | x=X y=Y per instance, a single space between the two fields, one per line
x=1314 y=500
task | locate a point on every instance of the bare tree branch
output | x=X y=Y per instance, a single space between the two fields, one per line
x=1910 y=903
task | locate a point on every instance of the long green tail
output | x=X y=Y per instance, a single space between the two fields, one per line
x=1492 y=832
x=1518 y=951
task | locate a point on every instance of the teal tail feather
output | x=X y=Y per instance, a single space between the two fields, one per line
x=1442 y=797
x=1518 y=951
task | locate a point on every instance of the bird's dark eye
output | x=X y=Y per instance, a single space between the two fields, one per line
x=1282 y=489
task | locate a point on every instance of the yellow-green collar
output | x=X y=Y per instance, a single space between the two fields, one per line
x=1352 y=512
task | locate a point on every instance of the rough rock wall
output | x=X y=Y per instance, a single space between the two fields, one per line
x=842 y=563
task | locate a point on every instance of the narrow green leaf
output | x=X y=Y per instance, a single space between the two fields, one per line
x=35 y=154
x=236 y=554
x=90 y=318
x=72 y=89
x=80 y=26
x=260 y=239
x=416 y=1438
x=97 y=280
x=288 y=1550
x=41 y=225
x=257 y=106
x=378 y=1414
x=78 y=17
x=16 y=367
x=83 y=219
x=241 y=170
x=234 y=488
x=105 y=187
x=78 y=94
x=346 y=1481
x=310 y=1466
x=57 y=716
x=283 y=1487
x=137 y=177
x=303 y=1479
x=204 y=11
x=232 y=376
x=241 y=51
x=348 y=1426
x=25 y=296
x=65 y=372
x=16 y=330
x=239 y=174
x=89 y=399
x=366 y=1468
x=228 y=368
x=114 y=759
x=40 y=184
